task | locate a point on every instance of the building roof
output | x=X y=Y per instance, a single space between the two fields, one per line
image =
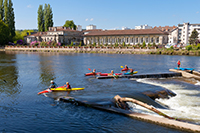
x=166 y=28
x=126 y=32
x=37 y=34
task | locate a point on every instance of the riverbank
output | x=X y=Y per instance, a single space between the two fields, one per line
x=109 y=50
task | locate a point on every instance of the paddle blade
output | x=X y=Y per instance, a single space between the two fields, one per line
x=122 y=67
x=89 y=69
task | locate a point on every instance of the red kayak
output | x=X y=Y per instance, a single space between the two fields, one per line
x=108 y=74
x=45 y=91
x=125 y=69
x=91 y=74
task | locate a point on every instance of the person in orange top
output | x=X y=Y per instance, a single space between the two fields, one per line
x=67 y=85
x=179 y=63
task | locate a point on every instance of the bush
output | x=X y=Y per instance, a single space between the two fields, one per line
x=189 y=47
x=143 y=44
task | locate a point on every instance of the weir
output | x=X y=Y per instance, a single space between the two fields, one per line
x=151 y=75
x=111 y=107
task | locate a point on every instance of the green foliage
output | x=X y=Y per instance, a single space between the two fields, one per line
x=138 y=45
x=70 y=24
x=143 y=44
x=20 y=35
x=123 y=44
x=40 y=19
x=43 y=44
x=171 y=48
x=11 y=23
x=72 y=44
x=6 y=13
x=116 y=44
x=1 y=10
x=4 y=33
x=80 y=44
x=48 y=17
x=94 y=44
x=193 y=37
x=154 y=44
x=189 y=47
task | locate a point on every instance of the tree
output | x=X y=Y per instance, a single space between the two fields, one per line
x=6 y=14
x=11 y=22
x=48 y=17
x=1 y=10
x=70 y=24
x=4 y=33
x=40 y=19
x=193 y=37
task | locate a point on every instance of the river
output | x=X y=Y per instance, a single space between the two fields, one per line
x=23 y=75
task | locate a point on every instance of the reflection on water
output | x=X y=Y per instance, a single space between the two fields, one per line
x=8 y=75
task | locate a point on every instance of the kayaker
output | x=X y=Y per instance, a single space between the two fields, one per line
x=179 y=63
x=53 y=84
x=112 y=72
x=126 y=66
x=67 y=85
x=94 y=71
x=131 y=70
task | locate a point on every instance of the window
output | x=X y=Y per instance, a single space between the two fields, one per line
x=147 y=39
x=136 y=40
x=132 y=40
x=157 y=39
x=141 y=40
x=152 y=39
x=127 y=40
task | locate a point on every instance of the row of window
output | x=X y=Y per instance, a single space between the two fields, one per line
x=126 y=40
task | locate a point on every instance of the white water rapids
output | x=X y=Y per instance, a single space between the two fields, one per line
x=185 y=105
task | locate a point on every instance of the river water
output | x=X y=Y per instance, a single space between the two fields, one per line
x=23 y=75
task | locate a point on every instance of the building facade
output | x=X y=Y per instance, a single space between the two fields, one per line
x=58 y=34
x=131 y=37
x=143 y=27
x=91 y=27
x=185 y=31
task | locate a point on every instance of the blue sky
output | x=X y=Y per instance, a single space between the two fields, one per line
x=109 y=14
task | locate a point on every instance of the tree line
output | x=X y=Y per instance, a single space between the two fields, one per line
x=7 y=21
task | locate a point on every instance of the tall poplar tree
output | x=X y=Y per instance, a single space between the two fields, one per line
x=6 y=14
x=11 y=19
x=48 y=17
x=45 y=17
x=1 y=10
x=40 y=19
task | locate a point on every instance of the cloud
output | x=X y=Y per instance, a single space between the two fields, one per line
x=29 y=6
x=91 y=19
x=197 y=12
x=86 y=19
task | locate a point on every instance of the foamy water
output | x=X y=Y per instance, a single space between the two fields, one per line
x=185 y=105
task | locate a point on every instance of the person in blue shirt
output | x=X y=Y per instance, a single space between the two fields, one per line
x=53 y=84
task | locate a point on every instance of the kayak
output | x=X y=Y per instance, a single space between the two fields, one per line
x=125 y=69
x=129 y=73
x=59 y=89
x=108 y=74
x=180 y=68
x=91 y=74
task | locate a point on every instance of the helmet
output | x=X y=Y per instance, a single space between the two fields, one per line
x=67 y=83
x=51 y=81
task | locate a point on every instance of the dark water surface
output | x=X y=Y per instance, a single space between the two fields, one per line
x=23 y=75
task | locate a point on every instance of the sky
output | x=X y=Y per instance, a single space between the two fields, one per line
x=109 y=14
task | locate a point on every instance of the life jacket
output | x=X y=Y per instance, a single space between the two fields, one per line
x=179 y=63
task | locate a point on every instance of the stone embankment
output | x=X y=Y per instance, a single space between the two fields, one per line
x=111 y=50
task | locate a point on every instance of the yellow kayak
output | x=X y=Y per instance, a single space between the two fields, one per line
x=60 y=89
x=65 y=89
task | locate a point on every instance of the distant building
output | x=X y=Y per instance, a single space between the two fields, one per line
x=132 y=37
x=143 y=27
x=79 y=28
x=172 y=33
x=125 y=28
x=91 y=27
x=58 y=34
x=185 y=31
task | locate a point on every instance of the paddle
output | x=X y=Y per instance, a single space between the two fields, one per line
x=89 y=69
x=122 y=67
